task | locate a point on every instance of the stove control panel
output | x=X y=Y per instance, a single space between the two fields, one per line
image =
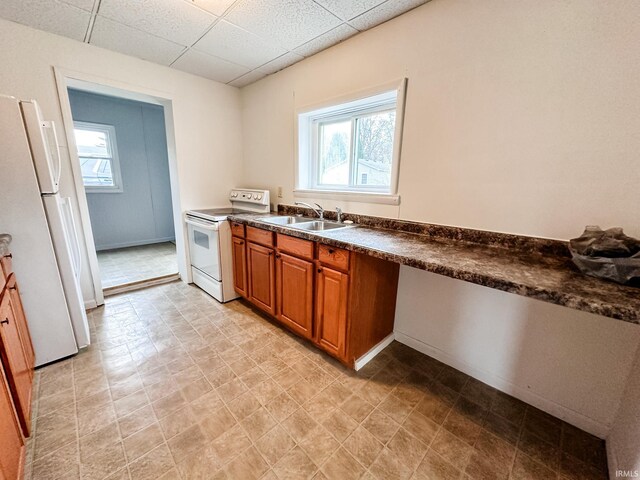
x=255 y=197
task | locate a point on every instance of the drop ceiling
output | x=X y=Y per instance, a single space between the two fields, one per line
x=231 y=41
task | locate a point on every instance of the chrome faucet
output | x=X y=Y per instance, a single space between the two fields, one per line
x=339 y=214
x=319 y=211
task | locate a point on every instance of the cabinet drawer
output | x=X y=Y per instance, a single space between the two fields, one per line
x=7 y=268
x=334 y=257
x=237 y=229
x=263 y=237
x=295 y=246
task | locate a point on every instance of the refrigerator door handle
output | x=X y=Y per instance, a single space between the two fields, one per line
x=45 y=151
x=49 y=129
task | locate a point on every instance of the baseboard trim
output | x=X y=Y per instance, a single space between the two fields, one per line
x=116 y=246
x=90 y=304
x=367 y=357
x=572 y=417
x=130 y=287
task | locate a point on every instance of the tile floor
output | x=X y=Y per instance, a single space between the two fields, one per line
x=177 y=385
x=133 y=264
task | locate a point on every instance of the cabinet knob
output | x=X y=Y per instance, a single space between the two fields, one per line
x=5 y=322
x=319 y=269
x=331 y=251
x=278 y=255
x=9 y=255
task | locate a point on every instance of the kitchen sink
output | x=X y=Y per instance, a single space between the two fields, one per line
x=318 y=225
x=286 y=220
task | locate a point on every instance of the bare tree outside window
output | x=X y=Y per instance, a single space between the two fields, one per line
x=335 y=143
x=374 y=148
x=351 y=146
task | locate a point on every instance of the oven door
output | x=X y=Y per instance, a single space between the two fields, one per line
x=204 y=246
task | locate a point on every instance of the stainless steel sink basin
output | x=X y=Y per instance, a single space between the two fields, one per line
x=319 y=225
x=286 y=220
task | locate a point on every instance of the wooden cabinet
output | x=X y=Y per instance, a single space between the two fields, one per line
x=239 y=266
x=331 y=310
x=6 y=264
x=342 y=301
x=294 y=286
x=16 y=365
x=336 y=258
x=262 y=277
x=16 y=375
x=237 y=229
x=12 y=448
x=23 y=328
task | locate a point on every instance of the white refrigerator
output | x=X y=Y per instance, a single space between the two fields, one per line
x=45 y=249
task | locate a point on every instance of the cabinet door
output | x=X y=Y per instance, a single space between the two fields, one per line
x=23 y=327
x=11 y=443
x=332 y=288
x=262 y=277
x=16 y=367
x=295 y=293
x=239 y=266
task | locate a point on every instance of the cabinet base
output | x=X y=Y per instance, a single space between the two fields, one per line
x=370 y=355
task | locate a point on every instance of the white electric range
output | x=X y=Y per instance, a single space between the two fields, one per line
x=210 y=241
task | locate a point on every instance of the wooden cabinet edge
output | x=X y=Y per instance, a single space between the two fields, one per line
x=6 y=391
x=362 y=272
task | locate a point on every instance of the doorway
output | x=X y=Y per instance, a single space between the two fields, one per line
x=74 y=80
x=123 y=158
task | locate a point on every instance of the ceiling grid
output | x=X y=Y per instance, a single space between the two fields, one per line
x=231 y=41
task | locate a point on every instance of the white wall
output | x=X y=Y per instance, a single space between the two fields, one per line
x=521 y=117
x=624 y=440
x=206 y=113
x=554 y=358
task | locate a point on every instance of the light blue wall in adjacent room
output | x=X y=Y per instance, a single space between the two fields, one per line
x=142 y=213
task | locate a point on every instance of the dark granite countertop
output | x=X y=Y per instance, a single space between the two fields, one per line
x=5 y=240
x=524 y=267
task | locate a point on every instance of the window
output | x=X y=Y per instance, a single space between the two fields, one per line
x=98 y=157
x=352 y=146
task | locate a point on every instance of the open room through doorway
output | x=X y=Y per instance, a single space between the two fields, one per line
x=123 y=158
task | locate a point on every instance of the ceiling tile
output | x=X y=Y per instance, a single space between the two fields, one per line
x=330 y=38
x=174 y=20
x=52 y=16
x=83 y=4
x=290 y=23
x=248 y=78
x=281 y=62
x=384 y=12
x=347 y=9
x=217 y=7
x=209 y=66
x=121 y=38
x=232 y=43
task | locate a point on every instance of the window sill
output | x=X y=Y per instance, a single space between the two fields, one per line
x=361 y=197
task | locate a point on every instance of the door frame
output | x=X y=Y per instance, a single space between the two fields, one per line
x=64 y=79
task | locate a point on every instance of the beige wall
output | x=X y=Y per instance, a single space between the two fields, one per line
x=206 y=113
x=521 y=117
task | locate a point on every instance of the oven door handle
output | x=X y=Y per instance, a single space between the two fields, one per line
x=204 y=225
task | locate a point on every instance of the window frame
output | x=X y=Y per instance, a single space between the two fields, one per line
x=316 y=125
x=110 y=131
x=348 y=107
